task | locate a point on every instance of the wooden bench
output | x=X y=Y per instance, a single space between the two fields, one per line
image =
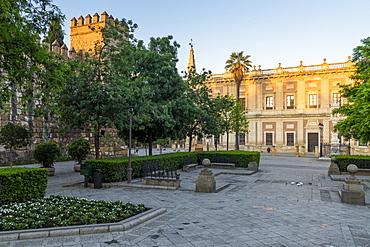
x=223 y=162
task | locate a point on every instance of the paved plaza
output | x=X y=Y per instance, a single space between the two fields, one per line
x=262 y=209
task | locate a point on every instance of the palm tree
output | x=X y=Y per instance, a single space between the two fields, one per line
x=237 y=65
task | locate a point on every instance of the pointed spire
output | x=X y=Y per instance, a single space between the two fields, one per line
x=191 y=63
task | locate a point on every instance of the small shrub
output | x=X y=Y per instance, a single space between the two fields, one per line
x=46 y=153
x=79 y=149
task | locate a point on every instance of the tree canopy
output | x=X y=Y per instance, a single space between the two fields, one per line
x=22 y=56
x=357 y=109
x=199 y=112
x=14 y=136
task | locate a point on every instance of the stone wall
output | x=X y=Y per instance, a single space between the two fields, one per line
x=17 y=156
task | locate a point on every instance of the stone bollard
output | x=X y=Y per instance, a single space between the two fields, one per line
x=252 y=166
x=333 y=169
x=206 y=182
x=206 y=163
x=352 y=191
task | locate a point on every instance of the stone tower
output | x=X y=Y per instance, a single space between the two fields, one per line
x=86 y=32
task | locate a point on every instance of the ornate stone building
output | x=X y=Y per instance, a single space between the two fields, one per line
x=289 y=109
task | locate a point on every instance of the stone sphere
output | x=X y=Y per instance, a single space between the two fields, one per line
x=352 y=169
x=333 y=159
x=206 y=162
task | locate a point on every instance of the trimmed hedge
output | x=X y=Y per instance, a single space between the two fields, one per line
x=115 y=169
x=22 y=184
x=361 y=161
x=242 y=158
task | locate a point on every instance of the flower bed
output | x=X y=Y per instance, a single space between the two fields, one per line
x=56 y=211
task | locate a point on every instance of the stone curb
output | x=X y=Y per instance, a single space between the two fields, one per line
x=344 y=177
x=237 y=173
x=111 y=185
x=82 y=229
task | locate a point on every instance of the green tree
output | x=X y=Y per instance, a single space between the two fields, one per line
x=163 y=86
x=22 y=22
x=238 y=64
x=14 y=136
x=88 y=101
x=162 y=143
x=55 y=32
x=149 y=77
x=198 y=111
x=225 y=105
x=239 y=122
x=357 y=111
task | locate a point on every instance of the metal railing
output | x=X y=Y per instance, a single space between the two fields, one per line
x=153 y=170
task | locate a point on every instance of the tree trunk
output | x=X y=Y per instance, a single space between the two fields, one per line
x=14 y=102
x=31 y=114
x=236 y=141
x=97 y=144
x=238 y=91
x=238 y=82
x=150 y=137
x=227 y=140
x=190 y=142
x=11 y=157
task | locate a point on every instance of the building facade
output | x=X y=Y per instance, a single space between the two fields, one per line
x=289 y=109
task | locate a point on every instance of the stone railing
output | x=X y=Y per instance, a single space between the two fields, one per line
x=288 y=70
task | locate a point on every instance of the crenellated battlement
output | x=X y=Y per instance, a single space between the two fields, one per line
x=81 y=21
x=64 y=51
x=85 y=34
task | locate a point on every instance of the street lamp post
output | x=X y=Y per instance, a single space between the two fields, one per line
x=321 y=127
x=129 y=169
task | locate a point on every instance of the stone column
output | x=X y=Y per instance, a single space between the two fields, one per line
x=352 y=191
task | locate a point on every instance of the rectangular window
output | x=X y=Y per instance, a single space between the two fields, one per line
x=312 y=100
x=336 y=98
x=290 y=139
x=290 y=101
x=242 y=103
x=269 y=102
x=200 y=140
x=269 y=139
x=242 y=139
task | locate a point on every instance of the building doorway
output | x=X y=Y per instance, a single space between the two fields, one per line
x=313 y=141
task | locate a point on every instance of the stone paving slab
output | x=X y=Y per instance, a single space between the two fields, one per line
x=262 y=209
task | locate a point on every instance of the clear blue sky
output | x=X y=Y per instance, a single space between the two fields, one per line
x=270 y=31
